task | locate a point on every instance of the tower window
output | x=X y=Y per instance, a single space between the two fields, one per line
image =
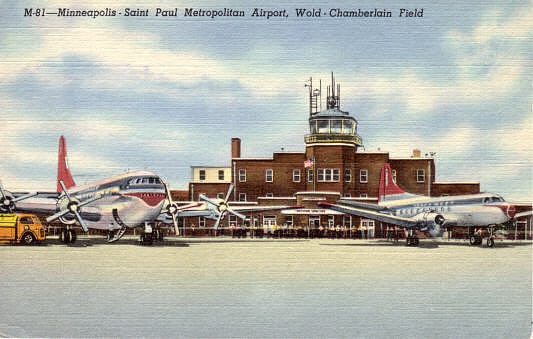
x=394 y=176
x=220 y=174
x=323 y=126
x=202 y=174
x=348 y=127
x=336 y=126
x=363 y=176
x=269 y=175
x=328 y=174
x=347 y=175
x=242 y=175
x=310 y=177
x=420 y=175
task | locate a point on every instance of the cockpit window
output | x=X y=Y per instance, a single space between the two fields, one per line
x=145 y=181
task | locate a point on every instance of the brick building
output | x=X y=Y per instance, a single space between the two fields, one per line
x=331 y=167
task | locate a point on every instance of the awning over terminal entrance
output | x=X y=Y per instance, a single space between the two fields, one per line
x=311 y=211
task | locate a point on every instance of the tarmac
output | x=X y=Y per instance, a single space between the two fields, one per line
x=224 y=287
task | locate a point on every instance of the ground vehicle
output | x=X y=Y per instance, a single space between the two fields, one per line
x=21 y=228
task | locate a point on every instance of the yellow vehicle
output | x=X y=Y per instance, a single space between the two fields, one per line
x=21 y=229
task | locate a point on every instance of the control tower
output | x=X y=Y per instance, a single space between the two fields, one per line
x=330 y=126
x=332 y=143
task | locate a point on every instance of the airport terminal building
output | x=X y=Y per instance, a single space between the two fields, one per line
x=331 y=167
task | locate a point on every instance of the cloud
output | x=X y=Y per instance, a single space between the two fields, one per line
x=488 y=62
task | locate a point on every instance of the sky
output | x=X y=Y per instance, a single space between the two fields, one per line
x=164 y=94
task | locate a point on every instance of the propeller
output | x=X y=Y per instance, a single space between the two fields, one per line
x=222 y=207
x=7 y=203
x=72 y=207
x=173 y=209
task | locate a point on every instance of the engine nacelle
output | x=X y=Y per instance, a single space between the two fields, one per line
x=432 y=223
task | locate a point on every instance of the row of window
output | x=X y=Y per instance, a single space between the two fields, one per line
x=202 y=175
x=314 y=221
x=328 y=175
x=242 y=196
x=323 y=175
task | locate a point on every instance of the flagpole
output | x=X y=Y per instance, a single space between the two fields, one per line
x=314 y=174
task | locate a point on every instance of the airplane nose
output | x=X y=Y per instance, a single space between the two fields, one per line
x=511 y=211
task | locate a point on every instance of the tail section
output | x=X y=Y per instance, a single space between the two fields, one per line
x=388 y=190
x=63 y=172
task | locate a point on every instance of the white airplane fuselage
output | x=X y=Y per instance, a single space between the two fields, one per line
x=137 y=197
x=465 y=210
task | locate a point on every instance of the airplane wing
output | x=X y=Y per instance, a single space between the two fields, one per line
x=371 y=214
x=358 y=204
x=262 y=208
x=164 y=217
x=523 y=214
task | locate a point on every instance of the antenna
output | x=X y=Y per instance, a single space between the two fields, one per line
x=320 y=95
x=333 y=99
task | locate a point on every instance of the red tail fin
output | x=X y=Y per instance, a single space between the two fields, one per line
x=63 y=173
x=388 y=190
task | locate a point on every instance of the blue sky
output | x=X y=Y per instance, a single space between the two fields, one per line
x=167 y=93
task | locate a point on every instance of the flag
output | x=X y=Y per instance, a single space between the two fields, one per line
x=309 y=163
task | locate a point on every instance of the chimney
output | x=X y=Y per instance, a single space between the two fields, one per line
x=235 y=148
x=416 y=153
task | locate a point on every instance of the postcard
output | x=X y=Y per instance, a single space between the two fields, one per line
x=266 y=169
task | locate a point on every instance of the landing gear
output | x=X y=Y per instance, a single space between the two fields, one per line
x=490 y=239
x=110 y=235
x=412 y=240
x=475 y=240
x=146 y=239
x=147 y=236
x=67 y=236
x=158 y=234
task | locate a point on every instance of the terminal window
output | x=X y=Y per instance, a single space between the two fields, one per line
x=363 y=176
x=420 y=175
x=202 y=174
x=242 y=175
x=347 y=221
x=242 y=196
x=296 y=175
x=310 y=176
x=269 y=175
x=220 y=174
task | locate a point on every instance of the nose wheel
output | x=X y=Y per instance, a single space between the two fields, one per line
x=412 y=240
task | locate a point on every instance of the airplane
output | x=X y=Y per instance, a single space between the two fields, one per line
x=115 y=204
x=416 y=213
x=130 y=200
